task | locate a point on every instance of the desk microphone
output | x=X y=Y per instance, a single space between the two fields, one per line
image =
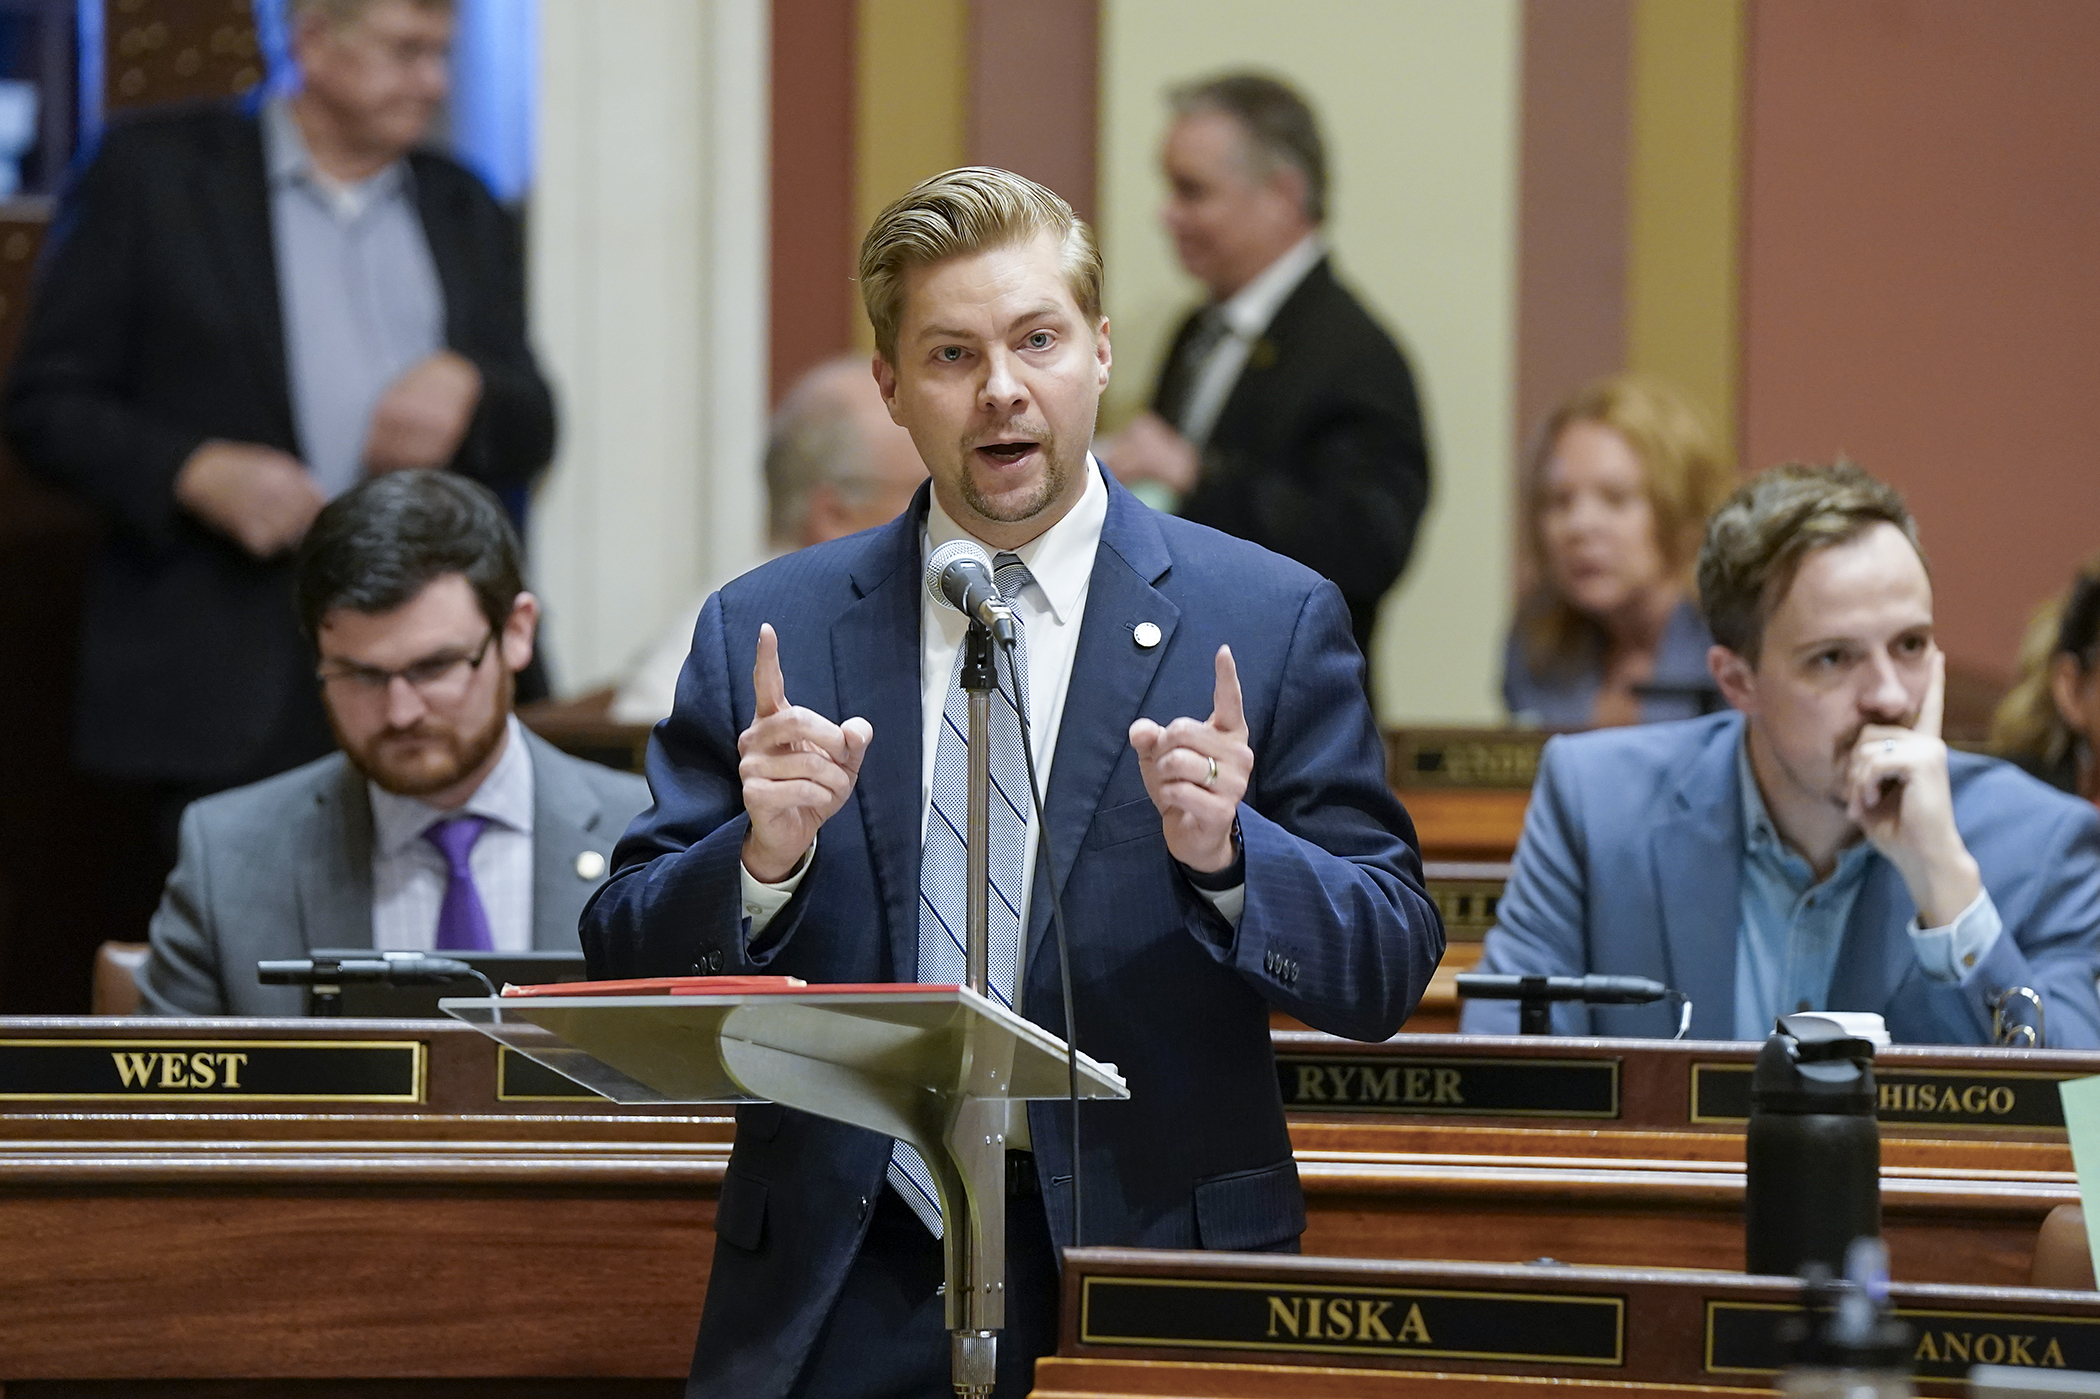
x=959 y=575
x=1537 y=994
x=391 y=968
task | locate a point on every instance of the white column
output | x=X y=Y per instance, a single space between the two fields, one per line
x=648 y=287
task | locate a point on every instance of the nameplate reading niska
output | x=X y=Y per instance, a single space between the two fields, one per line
x=1383 y=1321
x=1473 y=1087
x=1742 y=1338
x=523 y=1080
x=1975 y=1098
x=285 y=1071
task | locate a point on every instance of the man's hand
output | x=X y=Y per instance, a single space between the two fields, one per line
x=421 y=418
x=1196 y=774
x=257 y=496
x=1896 y=792
x=1151 y=450
x=798 y=769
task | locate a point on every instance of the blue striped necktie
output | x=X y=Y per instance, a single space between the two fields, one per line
x=944 y=896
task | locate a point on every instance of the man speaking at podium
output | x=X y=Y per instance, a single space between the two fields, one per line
x=1219 y=826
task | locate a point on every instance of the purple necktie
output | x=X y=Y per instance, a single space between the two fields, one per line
x=463 y=924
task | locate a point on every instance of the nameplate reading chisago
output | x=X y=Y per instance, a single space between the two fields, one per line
x=1742 y=1338
x=1368 y=1321
x=1975 y=1098
x=1467 y=1087
x=284 y=1071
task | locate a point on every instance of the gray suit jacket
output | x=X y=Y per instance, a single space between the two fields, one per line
x=283 y=866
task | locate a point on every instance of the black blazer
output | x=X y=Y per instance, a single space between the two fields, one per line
x=1318 y=452
x=155 y=326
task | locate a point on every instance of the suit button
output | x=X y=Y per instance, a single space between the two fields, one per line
x=699 y=970
x=863 y=1208
x=714 y=961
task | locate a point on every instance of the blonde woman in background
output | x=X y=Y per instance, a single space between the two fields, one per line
x=1615 y=502
x=2046 y=724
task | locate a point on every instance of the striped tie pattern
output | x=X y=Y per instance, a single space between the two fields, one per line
x=944 y=862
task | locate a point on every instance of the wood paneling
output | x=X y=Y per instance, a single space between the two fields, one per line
x=814 y=234
x=160 y=51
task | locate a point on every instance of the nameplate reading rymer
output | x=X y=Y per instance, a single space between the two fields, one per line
x=1914 y=1097
x=1742 y=1338
x=1361 y=1321
x=284 y=1071
x=1482 y=1086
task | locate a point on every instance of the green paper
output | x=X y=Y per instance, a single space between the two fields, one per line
x=2082 y=1119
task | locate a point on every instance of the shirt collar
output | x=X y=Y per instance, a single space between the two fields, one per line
x=1060 y=559
x=1762 y=836
x=504 y=797
x=289 y=162
x=1249 y=310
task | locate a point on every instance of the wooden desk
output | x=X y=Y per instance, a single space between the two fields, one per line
x=1226 y=1325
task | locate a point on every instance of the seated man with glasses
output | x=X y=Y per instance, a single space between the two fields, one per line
x=442 y=825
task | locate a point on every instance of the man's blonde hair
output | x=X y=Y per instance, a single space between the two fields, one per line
x=968 y=211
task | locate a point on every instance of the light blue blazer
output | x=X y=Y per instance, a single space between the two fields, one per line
x=1631 y=864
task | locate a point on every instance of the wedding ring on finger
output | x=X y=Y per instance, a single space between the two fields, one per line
x=1211 y=778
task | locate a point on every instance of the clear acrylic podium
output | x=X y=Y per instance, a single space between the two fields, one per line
x=935 y=1066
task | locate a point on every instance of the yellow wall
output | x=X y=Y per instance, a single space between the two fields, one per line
x=1418 y=99
x=911 y=117
x=1683 y=199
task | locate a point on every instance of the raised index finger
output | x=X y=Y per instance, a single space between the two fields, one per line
x=768 y=686
x=1935 y=697
x=1228 y=713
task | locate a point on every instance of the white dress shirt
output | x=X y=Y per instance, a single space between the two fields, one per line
x=409 y=875
x=1247 y=314
x=1061 y=561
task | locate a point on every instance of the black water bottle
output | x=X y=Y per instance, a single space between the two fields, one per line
x=1814 y=1152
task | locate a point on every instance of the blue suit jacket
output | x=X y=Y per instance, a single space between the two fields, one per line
x=1631 y=864
x=1337 y=929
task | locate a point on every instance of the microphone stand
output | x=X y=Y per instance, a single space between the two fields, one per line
x=976 y=1318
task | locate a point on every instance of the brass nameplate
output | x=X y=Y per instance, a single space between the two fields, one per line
x=1428 y=758
x=522 y=1080
x=1468 y=906
x=1382 y=1321
x=1471 y=1087
x=1970 y=1098
x=281 y=1071
x=1742 y=1338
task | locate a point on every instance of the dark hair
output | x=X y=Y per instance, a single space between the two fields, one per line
x=1757 y=539
x=2027 y=727
x=376 y=546
x=1279 y=125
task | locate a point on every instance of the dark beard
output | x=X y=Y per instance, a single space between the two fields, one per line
x=468 y=753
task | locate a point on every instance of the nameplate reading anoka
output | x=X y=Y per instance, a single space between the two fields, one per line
x=282 y=1071
x=1467 y=1087
x=1973 y=1098
x=1176 y=1313
x=1742 y=1338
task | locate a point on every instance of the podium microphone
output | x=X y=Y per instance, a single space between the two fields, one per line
x=959 y=575
x=325 y=973
x=1538 y=993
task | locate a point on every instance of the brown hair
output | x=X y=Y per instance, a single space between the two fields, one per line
x=967 y=211
x=1755 y=543
x=1685 y=478
x=342 y=12
x=1280 y=127
x=2027 y=725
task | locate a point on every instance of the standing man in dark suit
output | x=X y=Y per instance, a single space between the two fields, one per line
x=442 y=824
x=1284 y=414
x=1208 y=868
x=246 y=310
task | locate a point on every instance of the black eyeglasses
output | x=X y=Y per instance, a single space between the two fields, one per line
x=439 y=678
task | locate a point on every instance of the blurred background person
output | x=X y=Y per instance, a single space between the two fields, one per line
x=2047 y=720
x=1284 y=413
x=1615 y=504
x=245 y=308
x=835 y=465
x=442 y=825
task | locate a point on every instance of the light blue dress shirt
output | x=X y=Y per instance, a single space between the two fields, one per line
x=360 y=292
x=1793 y=927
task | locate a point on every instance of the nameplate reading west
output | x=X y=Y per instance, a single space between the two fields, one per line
x=1742 y=1338
x=285 y=1071
x=1174 y=1313
x=1441 y=1086
x=1912 y=1097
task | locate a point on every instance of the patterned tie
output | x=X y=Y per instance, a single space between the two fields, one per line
x=463 y=924
x=944 y=895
